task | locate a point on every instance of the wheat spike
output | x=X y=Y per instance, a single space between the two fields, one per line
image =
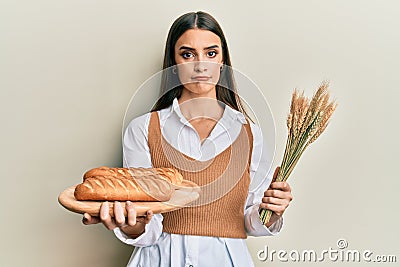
x=303 y=113
x=289 y=121
x=325 y=121
x=306 y=121
x=312 y=108
x=291 y=112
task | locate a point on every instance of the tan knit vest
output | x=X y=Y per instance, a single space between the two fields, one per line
x=224 y=182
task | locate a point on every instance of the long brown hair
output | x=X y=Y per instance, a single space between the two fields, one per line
x=171 y=88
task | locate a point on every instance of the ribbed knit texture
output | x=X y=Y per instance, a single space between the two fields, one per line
x=224 y=182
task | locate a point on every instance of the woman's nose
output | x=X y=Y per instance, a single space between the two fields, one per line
x=200 y=66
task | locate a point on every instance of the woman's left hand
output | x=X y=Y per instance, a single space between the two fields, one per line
x=276 y=198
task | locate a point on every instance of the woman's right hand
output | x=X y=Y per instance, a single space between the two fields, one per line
x=132 y=225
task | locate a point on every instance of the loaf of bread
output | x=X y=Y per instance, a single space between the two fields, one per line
x=169 y=174
x=134 y=184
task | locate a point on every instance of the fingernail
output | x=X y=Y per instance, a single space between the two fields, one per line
x=106 y=209
x=128 y=203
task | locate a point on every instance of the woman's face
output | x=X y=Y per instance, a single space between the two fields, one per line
x=198 y=54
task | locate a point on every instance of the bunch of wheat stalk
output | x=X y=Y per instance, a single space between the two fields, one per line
x=306 y=121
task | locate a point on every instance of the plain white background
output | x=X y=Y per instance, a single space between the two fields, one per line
x=69 y=68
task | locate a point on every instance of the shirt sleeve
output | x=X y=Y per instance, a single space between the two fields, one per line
x=136 y=153
x=151 y=233
x=261 y=177
x=135 y=148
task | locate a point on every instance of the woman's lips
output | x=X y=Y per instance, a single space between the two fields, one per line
x=201 y=78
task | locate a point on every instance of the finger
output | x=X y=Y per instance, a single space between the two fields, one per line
x=274 y=176
x=119 y=216
x=149 y=215
x=278 y=209
x=87 y=219
x=277 y=193
x=105 y=216
x=145 y=219
x=276 y=201
x=284 y=186
x=131 y=211
x=276 y=173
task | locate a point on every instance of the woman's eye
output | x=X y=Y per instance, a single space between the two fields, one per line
x=211 y=53
x=187 y=55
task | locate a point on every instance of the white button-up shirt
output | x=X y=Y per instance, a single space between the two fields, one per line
x=156 y=248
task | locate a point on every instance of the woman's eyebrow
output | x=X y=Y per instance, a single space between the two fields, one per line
x=192 y=49
x=210 y=47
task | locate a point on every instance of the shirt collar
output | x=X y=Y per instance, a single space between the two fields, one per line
x=227 y=118
x=175 y=108
x=233 y=114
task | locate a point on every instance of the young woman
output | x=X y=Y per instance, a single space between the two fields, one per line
x=200 y=128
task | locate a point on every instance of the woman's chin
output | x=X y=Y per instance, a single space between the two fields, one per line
x=200 y=89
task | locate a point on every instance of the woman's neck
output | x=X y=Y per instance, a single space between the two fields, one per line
x=204 y=106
